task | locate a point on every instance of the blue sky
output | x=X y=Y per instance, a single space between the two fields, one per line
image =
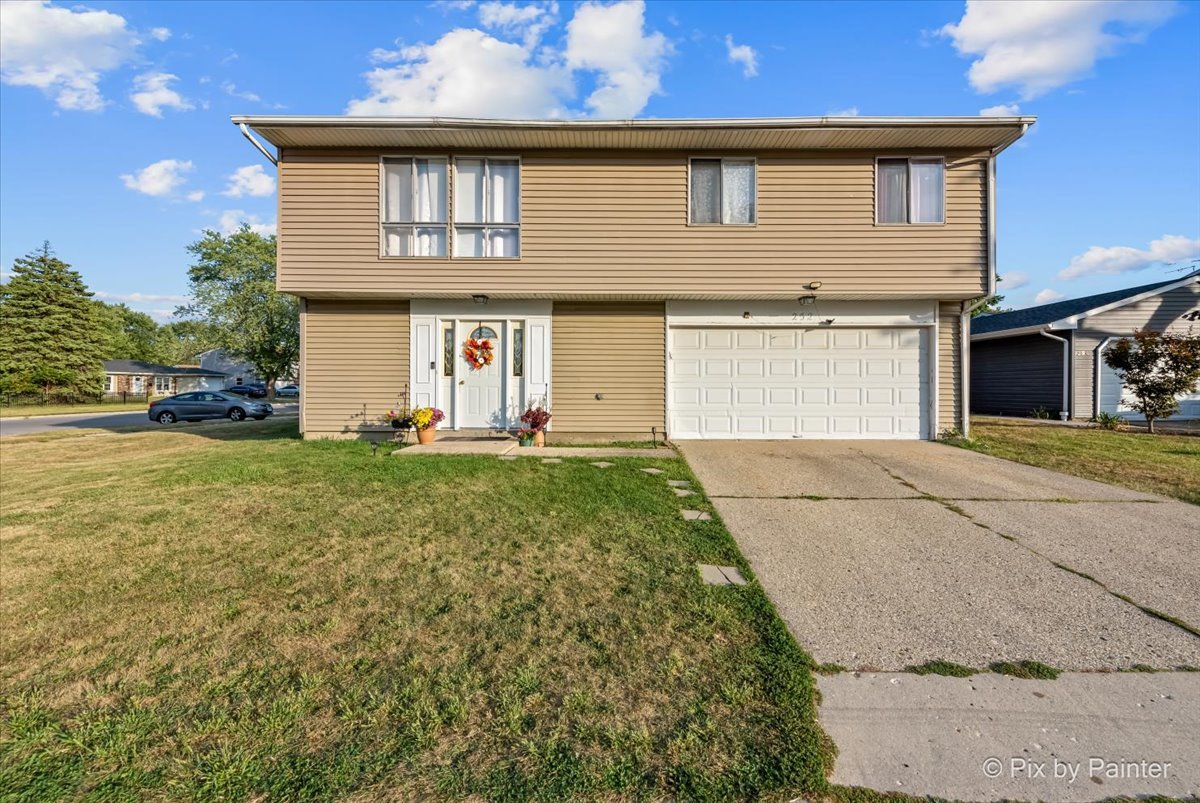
x=115 y=141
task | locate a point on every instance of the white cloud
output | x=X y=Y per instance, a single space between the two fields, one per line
x=1038 y=47
x=744 y=55
x=161 y=315
x=152 y=94
x=849 y=111
x=612 y=40
x=469 y=72
x=195 y=196
x=1100 y=261
x=466 y=73
x=232 y=219
x=141 y=298
x=1014 y=280
x=161 y=34
x=159 y=179
x=229 y=88
x=250 y=180
x=1048 y=296
x=1001 y=110
x=529 y=22
x=62 y=51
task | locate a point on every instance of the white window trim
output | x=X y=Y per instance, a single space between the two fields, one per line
x=753 y=160
x=383 y=254
x=908 y=158
x=165 y=380
x=486 y=159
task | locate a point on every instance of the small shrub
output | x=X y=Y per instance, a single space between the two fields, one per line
x=1111 y=421
x=1039 y=412
x=1026 y=670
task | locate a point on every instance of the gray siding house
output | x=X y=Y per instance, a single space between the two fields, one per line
x=1050 y=356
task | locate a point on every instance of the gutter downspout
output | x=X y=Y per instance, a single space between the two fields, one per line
x=254 y=141
x=1098 y=359
x=1065 y=412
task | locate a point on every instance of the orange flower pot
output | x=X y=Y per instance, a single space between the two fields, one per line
x=539 y=438
x=426 y=435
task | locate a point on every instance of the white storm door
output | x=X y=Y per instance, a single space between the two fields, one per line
x=481 y=390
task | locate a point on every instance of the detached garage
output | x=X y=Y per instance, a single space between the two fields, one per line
x=1052 y=356
x=746 y=370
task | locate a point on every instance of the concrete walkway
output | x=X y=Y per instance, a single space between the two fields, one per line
x=990 y=737
x=512 y=448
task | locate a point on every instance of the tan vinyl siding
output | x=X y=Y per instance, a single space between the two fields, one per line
x=618 y=351
x=949 y=367
x=355 y=365
x=616 y=223
x=1159 y=313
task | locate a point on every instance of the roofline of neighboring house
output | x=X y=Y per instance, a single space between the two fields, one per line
x=1072 y=321
x=164 y=373
x=991 y=133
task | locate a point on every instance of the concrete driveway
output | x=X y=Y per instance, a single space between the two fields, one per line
x=883 y=555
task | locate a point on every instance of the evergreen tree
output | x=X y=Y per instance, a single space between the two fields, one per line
x=51 y=339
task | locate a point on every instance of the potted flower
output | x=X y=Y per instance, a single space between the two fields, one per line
x=399 y=419
x=425 y=421
x=525 y=437
x=536 y=419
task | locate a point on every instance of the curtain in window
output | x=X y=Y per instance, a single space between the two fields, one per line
x=892 y=190
x=927 y=179
x=706 y=190
x=468 y=242
x=503 y=192
x=431 y=192
x=468 y=191
x=429 y=242
x=502 y=242
x=737 y=192
x=397 y=195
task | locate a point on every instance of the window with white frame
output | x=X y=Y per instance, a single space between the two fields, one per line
x=910 y=190
x=487 y=208
x=109 y=383
x=162 y=384
x=414 y=207
x=722 y=191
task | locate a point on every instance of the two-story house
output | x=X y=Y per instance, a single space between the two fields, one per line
x=741 y=278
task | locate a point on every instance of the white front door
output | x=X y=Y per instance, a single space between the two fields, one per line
x=481 y=388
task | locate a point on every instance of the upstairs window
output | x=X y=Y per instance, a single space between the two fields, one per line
x=722 y=191
x=414 y=207
x=487 y=208
x=910 y=191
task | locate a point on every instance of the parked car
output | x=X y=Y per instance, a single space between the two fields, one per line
x=288 y=392
x=205 y=404
x=251 y=391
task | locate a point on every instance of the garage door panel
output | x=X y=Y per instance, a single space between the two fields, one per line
x=786 y=383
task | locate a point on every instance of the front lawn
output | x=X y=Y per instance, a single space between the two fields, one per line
x=1160 y=464
x=231 y=613
x=28 y=410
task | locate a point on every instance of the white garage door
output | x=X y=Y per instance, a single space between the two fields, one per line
x=798 y=383
x=1114 y=398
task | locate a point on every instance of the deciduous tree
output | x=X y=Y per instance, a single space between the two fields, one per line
x=1156 y=368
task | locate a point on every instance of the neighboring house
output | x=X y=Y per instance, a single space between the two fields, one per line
x=235 y=371
x=762 y=278
x=1050 y=356
x=137 y=376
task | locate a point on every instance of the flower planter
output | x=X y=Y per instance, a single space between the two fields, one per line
x=425 y=436
x=539 y=438
x=525 y=442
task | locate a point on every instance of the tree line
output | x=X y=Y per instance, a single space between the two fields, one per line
x=55 y=334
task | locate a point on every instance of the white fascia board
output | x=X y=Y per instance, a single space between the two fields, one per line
x=917 y=312
x=1025 y=330
x=1073 y=321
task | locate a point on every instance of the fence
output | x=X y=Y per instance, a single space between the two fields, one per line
x=44 y=399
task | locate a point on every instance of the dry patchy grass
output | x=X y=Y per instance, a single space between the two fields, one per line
x=229 y=612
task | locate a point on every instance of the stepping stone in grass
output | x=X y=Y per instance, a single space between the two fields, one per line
x=653 y=470
x=678 y=483
x=551 y=459
x=721 y=575
x=508 y=457
x=602 y=464
x=684 y=492
x=695 y=515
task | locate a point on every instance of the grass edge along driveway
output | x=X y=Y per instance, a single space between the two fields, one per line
x=1168 y=465
x=231 y=613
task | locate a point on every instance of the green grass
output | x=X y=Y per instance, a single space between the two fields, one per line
x=1026 y=670
x=232 y=613
x=1160 y=464
x=947 y=668
x=608 y=444
x=30 y=410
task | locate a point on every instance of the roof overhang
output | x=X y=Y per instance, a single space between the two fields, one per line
x=759 y=134
x=1056 y=326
